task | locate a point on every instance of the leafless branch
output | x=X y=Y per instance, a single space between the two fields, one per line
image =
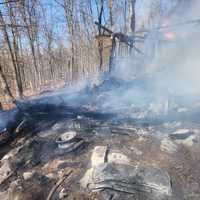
x=10 y=1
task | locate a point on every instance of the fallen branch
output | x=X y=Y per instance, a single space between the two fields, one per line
x=121 y=36
x=127 y=39
x=17 y=130
x=9 y=175
x=13 y=25
x=10 y=1
x=53 y=190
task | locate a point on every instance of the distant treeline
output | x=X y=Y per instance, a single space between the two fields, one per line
x=51 y=43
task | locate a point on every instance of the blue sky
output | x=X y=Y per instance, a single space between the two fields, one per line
x=55 y=15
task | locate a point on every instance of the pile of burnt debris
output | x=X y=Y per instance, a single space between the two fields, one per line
x=64 y=145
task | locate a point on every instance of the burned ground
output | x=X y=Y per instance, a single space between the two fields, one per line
x=36 y=162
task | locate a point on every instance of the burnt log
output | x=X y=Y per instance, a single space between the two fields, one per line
x=37 y=110
x=9 y=123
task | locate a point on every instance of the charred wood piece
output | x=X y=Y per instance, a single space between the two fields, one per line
x=53 y=190
x=10 y=126
x=124 y=131
x=128 y=39
x=37 y=110
x=10 y=1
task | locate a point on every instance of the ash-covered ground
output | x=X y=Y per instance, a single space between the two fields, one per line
x=113 y=150
x=122 y=138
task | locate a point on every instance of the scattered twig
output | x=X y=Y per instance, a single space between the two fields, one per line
x=13 y=25
x=10 y=1
x=118 y=35
x=137 y=50
x=53 y=190
x=7 y=178
x=17 y=130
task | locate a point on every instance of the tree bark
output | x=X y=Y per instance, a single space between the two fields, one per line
x=132 y=25
x=111 y=12
x=5 y=85
x=100 y=42
x=112 y=53
x=19 y=89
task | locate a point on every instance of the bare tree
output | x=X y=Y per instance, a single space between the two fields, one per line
x=111 y=12
x=100 y=41
x=132 y=25
x=28 y=13
x=4 y=84
x=19 y=87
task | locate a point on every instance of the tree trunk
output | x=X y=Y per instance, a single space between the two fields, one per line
x=132 y=25
x=112 y=53
x=19 y=89
x=111 y=12
x=100 y=41
x=5 y=85
x=28 y=19
x=15 y=39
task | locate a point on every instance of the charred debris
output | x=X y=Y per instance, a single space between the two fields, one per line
x=88 y=144
x=69 y=145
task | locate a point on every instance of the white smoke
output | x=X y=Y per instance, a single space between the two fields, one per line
x=176 y=66
x=174 y=70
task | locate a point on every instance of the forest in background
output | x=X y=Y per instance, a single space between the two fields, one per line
x=47 y=44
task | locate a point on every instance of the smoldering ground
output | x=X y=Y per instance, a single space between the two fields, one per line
x=173 y=71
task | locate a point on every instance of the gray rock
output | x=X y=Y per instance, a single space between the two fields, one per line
x=63 y=194
x=4 y=195
x=168 y=146
x=124 y=130
x=181 y=134
x=5 y=171
x=128 y=179
x=5 y=164
x=99 y=155
x=188 y=142
x=113 y=171
x=33 y=189
x=102 y=131
x=11 y=154
x=15 y=191
x=28 y=175
x=185 y=137
x=136 y=151
x=117 y=157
